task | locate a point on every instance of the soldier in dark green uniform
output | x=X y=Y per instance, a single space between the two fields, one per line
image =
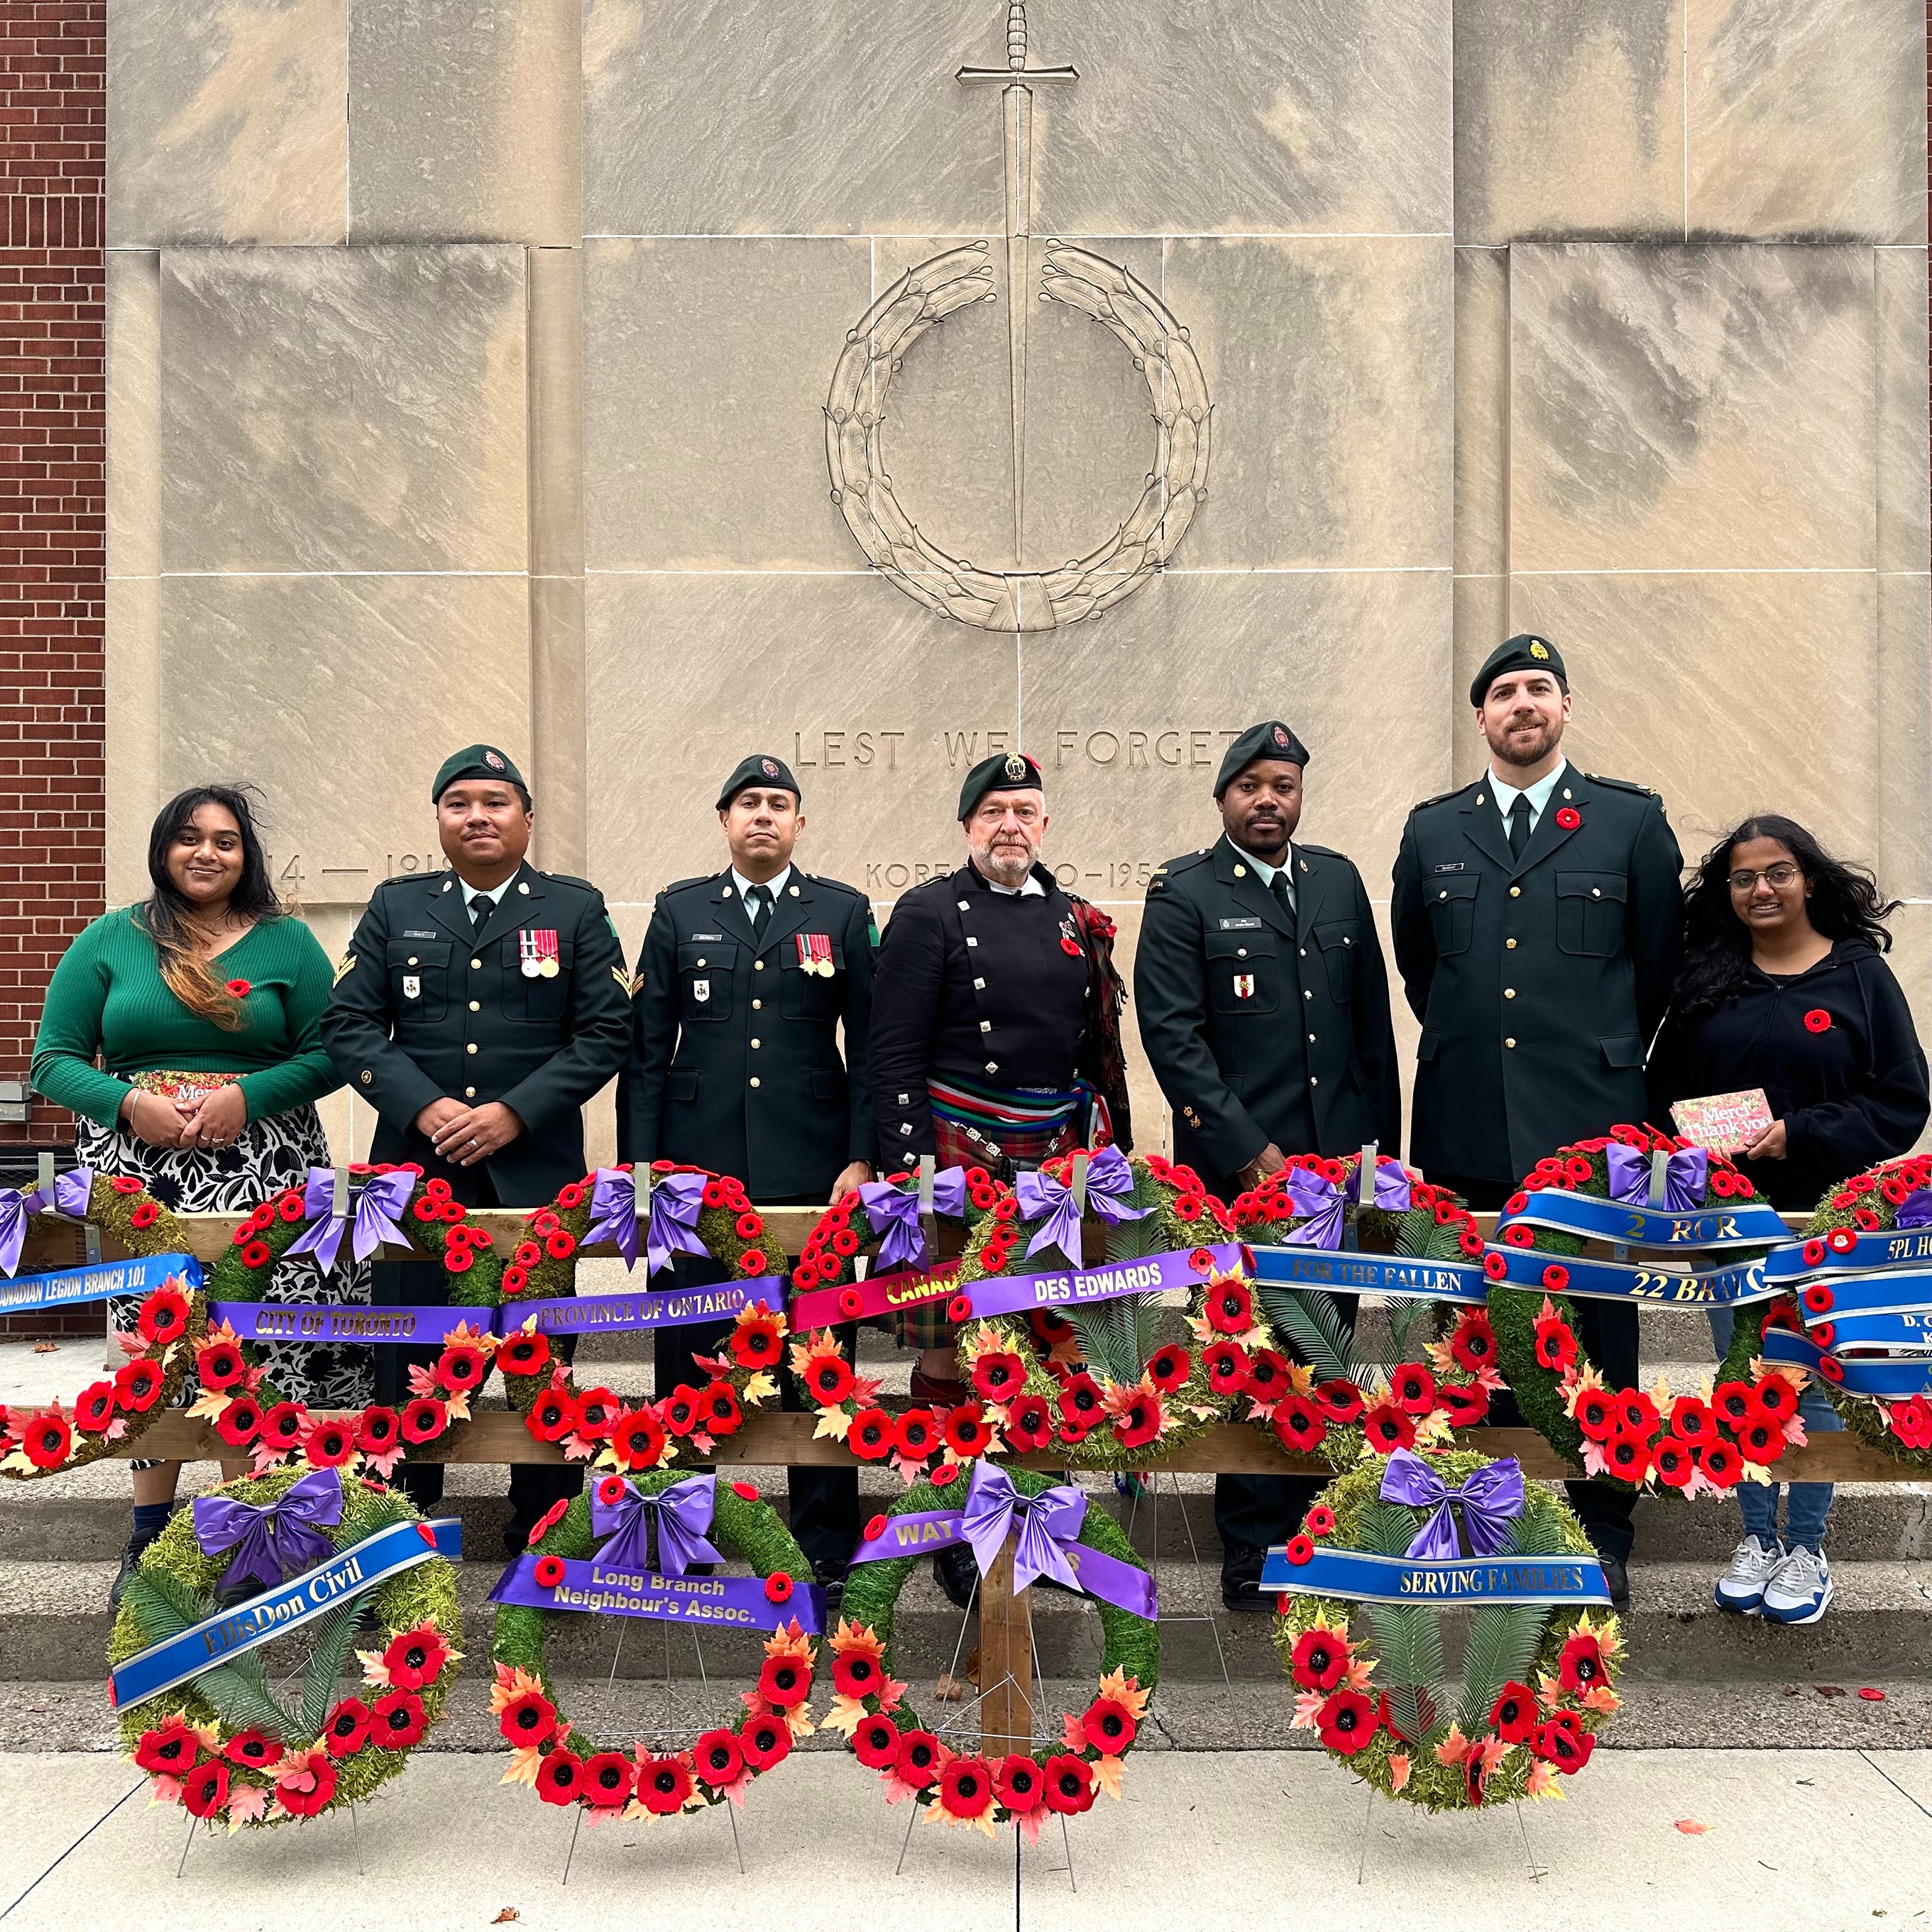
x=1264 y=1007
x=746 y=977
x=476 y=1011
x=1537 y=925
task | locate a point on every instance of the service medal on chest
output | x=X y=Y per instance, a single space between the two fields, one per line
x=814 y=953
x=536 y=953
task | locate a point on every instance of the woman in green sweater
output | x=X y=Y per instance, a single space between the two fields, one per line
x=184 y=1032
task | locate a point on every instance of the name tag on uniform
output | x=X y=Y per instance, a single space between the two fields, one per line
x=814 y=953
x=412 y=987
x=536 y=953
x=707 y=935
x=700 y=990
x=1238 y=925
x=1244 y=985
x=1457 y=867
x=419 y=935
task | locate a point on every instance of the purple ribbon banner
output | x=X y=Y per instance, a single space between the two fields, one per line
x=1014 y=1295
x=674 y=1308
x=346 y=1323
x=69 y=1196
x=1047 y=1528
x=591 y=1584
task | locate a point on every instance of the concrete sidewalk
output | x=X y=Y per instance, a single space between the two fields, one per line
x=1823 y=1839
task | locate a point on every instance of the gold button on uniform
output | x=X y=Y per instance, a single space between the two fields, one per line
x=367 y=1076
x=469 y=1092
x=471 y=1047
x=1509 y=993
x=412 y=958
x=1313 y=1081
x=1509 y=1042
x=1516 y=891
x=755 y=1045
x=475 y=1006
x=476 y=964
x=758 y=965
x=756 y=1005
x=1510 y=944
x=755 y=1080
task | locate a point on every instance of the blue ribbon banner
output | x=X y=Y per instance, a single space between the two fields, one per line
x=735 y=1602
x=1378 y=1274
x=1440 y=1581
x=348 y=1572
x=140 y=1275
x=1618 y=1281
x=1883 y=1379
x=1748 y=1223
x=1898 y=1251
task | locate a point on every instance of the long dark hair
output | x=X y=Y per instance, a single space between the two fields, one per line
x=168 y=915
x=1845 y=904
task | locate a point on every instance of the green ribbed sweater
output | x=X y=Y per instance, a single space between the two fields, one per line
x=107 y=998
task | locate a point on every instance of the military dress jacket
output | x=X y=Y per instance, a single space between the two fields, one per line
x=1539 y=981
x=1261 y=1025
x=532 y=1009
x=994 y=989
x=735 y=1062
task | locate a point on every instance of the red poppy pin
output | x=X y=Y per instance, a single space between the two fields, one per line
x=239 y=988
x=1569 y=817
x=1817 y=1021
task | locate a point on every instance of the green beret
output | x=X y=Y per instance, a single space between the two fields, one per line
x=1527 y=653
x=1006 y=771
x=1273 y=739
x=761 y=771
x=476 y=761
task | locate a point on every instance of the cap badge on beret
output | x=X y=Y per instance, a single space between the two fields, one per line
x=490 y=759
x=1015 y=765
x=1539 y=650
x=769 y=767
x=1280 y=736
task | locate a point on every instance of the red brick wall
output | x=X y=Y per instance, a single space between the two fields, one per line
x=52 y=505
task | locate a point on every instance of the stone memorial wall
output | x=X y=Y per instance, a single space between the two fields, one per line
x=642 y=384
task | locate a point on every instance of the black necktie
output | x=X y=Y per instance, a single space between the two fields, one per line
x=480 y=909
x=1519 y=824
x=758 y=905
x=1278 y=885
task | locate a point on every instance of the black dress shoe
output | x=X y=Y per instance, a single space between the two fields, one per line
x=957 y=1574
x=131 y=1562
x=1241 y=1580
x=1618 y=1578
x=830 y=1577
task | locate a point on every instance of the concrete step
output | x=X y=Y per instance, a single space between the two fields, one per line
x=54 y=1626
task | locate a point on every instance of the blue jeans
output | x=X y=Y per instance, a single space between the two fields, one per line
x=1807 y=1505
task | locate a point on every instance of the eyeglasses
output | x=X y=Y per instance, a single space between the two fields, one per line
x=1780 y=875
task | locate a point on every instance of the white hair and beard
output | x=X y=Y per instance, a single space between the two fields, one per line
x=1005 y=851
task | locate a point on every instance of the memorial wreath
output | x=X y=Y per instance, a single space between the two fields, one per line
x=1057 y=1537
x=114 y=1412
x=258 y=1558
x=593 y=1554
x=1538 y=1669
x=1641 y=1188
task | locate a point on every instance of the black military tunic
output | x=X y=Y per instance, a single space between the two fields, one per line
x=986 y=988
x=1263 y=1024
x=1539 y=981
x=735 y=1063
x=426 y=1007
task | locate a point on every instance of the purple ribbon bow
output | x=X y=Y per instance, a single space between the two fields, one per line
x=1914 y=1211
x=1327 y=1205
x=1491 y=1499
x=271 y=1540
x=613 y=1212
x=1047 y=1523
x=1684 y=1177
x=682 y=1513
x=69 y=1196
x=894 y=1213
x=676 y=1200
x=376 y=1216
x=1109 y=1181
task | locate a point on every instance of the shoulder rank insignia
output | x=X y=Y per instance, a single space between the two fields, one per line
x=624 y=980
x=347 y=966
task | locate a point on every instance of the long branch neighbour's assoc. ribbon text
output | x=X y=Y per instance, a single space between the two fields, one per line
x=1046 y=1529
x=228 y=1632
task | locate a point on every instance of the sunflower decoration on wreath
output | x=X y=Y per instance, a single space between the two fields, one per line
x=1863 y=1337
x=117 y=1410
x=886 y=1217
x=591 y=1554
x=686 y=1210
x=1058 y=1537
x=1338 y=1402
x=1539 y=1670
x=1733 y=1428
x=1073 y=1360
x=219 y=1742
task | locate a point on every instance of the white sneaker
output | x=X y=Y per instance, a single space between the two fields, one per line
x=1741 y=1587
x=1799 y=1590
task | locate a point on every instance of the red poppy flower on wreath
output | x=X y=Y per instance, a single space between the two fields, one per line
x=137 y=1386
x=204 y=1792
x=1029 y=1423
x=1070 y=1784
x=637 y=1441
x=663 y=1785
x=328 y=1444
x=1298 y=1426
x=1347 y=1722
x=1555 y=1343
x=398 y=1720
x=422 y=1420
x=609 y=1778
x=967 y=1432
x=765 y=1740
x=164 y=1315
x=560 y=1777
x=93 y=1408
x=1299 y=1550
x=1513 y=1716
x=1230 y=1308
x=238 y=1423
x=1319 y=1660
x=1465 y=1403
x=717 y=1759
x=549 y=1572
x=870 y=1438
x=1388 y=1429
x=876 y=1742
x=1721 y=1463
x=530 y=1719
x=219 y=1365
x=1817 y=1021
x=1020 y=1785
x=171 y=1748
x=1412 y=1389
x=1340 y=1401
